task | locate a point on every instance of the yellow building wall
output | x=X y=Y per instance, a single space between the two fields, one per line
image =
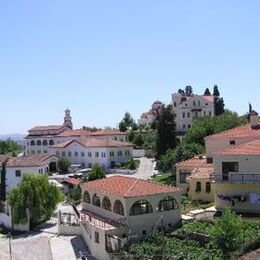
x=201 y=195
x=237 y=189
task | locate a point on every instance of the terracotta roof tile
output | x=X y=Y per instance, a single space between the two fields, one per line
x=128 y=187
x=73 y=181
x=93 y=142
x=28 y=161
x=251 y=148
x=46 y=128
x=237 y=132
x=196 y=161
x=81 y=132
x=202 y=173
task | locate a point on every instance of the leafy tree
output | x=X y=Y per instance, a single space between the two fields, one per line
x=63 y=165
x=122 y=126
x=38 y=195
x=211 y=125
x=188 y=91
x=182 y=152
x=216 y=91
x=138 y=140
x=131 y=136
x=166 y=137
x=227 y=232
x=219 y=106
x=181 y=91
x=134 y=126
x=97 y=172
x=3 y=181
x=132 y=165
x=74 y=194
x=128 y=119
x=9 y=146
x=207 y=92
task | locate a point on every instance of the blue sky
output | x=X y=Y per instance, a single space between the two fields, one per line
x=102 y=58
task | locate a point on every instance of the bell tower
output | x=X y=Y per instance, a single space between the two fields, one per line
x=68 y=119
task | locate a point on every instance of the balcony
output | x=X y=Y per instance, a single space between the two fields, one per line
x=238 y=178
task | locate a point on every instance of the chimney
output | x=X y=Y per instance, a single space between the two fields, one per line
x=253 y=119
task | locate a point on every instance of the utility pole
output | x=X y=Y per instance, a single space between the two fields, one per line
x=10 y=246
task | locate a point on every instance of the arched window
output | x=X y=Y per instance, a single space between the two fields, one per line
x=32 y=142
x=86 y=197
x=51 y=142
x=167 y=203
x=106 y=204
x=141 y=207
x=198 y=186
x=96 y=200
x=44 y=142
x=208 y=186
x=118 y=207
x=38 y=142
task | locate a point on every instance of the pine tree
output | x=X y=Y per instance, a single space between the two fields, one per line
x=188 y=91
x=207 y=92
x=216 y=91
x=3 y=181
x=166 y=137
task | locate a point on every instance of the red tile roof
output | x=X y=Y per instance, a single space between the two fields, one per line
x=81 y=132
x=73 y=181
x=46 y=128
x=128 y=187
x=29 y=161
x=209 y=98
x=196 y=161
x=251 y=148
x=202 y=173
x=237 y=132
x=93 y=143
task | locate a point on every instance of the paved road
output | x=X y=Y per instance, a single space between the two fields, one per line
x=44 y=244
x=145 y=170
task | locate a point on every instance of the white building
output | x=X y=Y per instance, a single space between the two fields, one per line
x=88 y=151
x=16 y=167
x=121 y=209
x=189 y=108
x=60 y=139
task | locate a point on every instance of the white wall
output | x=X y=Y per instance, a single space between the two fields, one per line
x=11 y=179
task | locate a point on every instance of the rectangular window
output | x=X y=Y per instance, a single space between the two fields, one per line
x=33 y=152
x=189 y=126
x=183 y=115
x=119 y=153
x=63 y=154
x=76 y=153
x=232 y=142
x=45 y=151
x=39 y=151
x=188 y=114
x=175 y=104
x=112 y=154
x=209 y=160
x=183 y=126
x=69 y=154
x=82 y=154
x=198 y=103
x=96 y=154
x=127 y=152
x=57 y=153
x=90 y=165
x=228 y=167
x=210 y=113
x=103 y=155
x=97 y=237
x=17 y=173
x=89 y=154
x=204 y=113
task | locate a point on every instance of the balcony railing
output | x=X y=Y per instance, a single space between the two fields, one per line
x=236 y=177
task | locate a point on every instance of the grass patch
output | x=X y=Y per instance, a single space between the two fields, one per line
x=165 y=178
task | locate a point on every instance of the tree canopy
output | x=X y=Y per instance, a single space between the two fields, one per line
x=207 y=92
x=3 y=181
x=97 y=172
x=166 y=136
x=9 y=146
x=63 y=165
x=38 y=195
x=211 y=125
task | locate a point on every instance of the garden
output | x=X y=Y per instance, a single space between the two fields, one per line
x=223 y=238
